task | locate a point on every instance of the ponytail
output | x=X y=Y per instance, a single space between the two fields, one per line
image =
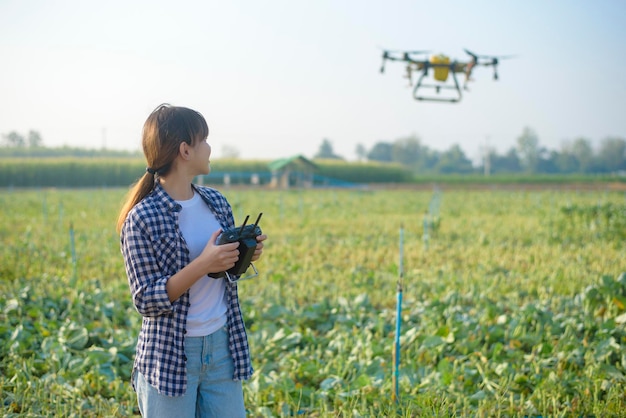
x=141 y=189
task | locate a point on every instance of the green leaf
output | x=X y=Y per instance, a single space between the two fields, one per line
x=330 y=383
x=432 y=342
x=74 y=336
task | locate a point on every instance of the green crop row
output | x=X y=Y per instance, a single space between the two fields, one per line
x=111 y=172
x=69 y=172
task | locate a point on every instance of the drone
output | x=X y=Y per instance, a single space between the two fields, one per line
x=442 y=68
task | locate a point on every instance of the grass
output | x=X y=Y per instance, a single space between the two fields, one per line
x=514 y=304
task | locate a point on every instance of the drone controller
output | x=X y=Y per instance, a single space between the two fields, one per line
x=246 y=236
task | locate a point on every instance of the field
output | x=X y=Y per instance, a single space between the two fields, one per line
x=514 y=303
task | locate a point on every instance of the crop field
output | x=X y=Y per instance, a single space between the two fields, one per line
x=513 y=303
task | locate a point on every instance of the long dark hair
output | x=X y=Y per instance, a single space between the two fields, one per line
x=163 y=132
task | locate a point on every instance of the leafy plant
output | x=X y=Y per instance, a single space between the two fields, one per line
x=515 y=307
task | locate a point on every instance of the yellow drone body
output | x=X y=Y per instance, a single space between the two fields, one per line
x=441 y=64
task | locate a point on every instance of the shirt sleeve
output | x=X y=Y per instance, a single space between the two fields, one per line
x=146 y=279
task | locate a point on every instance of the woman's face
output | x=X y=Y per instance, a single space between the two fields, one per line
x=202 y=154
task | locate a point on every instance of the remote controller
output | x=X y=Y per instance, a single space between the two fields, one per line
x=246 y=235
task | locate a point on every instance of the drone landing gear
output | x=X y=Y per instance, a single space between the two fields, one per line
x=438 y=88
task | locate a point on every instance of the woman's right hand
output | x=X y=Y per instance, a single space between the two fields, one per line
x=213 y=259
x=219 y=258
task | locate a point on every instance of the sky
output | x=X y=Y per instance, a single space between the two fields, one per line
x=275 y=78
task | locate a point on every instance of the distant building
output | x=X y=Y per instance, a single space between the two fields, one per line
x=295 y=171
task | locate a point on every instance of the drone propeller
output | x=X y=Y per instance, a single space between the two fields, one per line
x=493 y=60
x=401 y=51
x=416 y=52
x=385 y=56
x=405 y=56
x=471 y=54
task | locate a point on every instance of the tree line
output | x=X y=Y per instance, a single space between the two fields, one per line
x=528 y=156
x=14 y=144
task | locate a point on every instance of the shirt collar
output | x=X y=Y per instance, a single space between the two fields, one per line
x=170 y=204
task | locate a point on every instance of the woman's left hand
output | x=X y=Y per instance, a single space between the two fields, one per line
x=259 y=247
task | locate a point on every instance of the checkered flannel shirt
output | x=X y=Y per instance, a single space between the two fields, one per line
x=154 y=249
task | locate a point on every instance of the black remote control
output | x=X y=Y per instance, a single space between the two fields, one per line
x=246 y=235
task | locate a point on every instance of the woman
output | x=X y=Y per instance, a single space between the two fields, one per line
x=192 y=352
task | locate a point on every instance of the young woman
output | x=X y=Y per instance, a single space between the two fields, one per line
x=192 y=352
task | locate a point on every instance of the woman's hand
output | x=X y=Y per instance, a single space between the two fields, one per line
x=259 y=247
x=219 y=258
x=213 y=259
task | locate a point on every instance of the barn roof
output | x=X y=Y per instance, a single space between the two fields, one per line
x=298 y=160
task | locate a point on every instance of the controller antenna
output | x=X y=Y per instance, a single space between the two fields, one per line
x=243 y=225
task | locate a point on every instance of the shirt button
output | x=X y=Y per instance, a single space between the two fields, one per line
x=185 y=358
x=184 y=331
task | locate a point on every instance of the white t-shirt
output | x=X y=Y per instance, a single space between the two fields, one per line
x=207 y=312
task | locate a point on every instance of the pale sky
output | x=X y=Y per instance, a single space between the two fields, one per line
x=274 y=78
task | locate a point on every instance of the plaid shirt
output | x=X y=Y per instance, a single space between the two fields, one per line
x=154 y=249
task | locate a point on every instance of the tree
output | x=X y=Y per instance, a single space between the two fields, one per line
x=528 y=149
x=582 y=151
x=381 y=152
x=612 y=154
x=575 y=157
x=407 y=151
x=326 y=151
x=548 y=161
x=507 y=163
x=14 y=140
x=566 y=161
x=428 y=160
x=361 y=152
x=34 y=139
x=454 y=160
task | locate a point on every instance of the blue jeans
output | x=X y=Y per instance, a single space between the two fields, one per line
x=211 y=390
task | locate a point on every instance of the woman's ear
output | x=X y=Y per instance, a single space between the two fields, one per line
x=184 y=150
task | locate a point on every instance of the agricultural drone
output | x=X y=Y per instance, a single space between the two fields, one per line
x=442 y=68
